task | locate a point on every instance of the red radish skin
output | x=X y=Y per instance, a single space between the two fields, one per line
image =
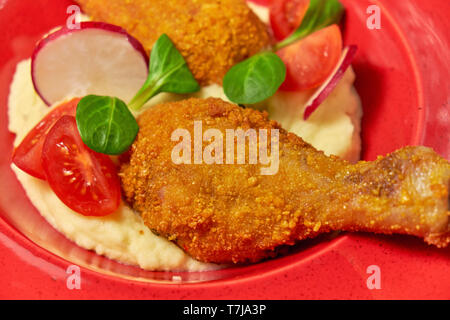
x=43 y=43
x=348 y=54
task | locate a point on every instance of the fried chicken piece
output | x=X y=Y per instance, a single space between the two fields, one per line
x=211 y=35
x=226 y=213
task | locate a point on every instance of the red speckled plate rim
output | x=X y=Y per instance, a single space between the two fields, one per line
x=338 y=270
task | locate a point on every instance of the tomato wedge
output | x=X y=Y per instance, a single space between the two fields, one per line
x=311 y=60
x=84 y=180
x=286 y=16
x=27 y=156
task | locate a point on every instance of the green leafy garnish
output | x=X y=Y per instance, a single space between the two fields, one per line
x=168 y=73
x=260 y=76
x=105 y=124
x=320 y=14
x=254 y=79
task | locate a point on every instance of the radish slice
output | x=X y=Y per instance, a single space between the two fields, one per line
x=348 y=54
x=98 y=58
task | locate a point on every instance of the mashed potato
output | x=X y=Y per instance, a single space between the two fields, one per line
x=334 y=128
x=121 y=236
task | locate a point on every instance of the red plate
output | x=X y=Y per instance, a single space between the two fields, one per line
x=402 y=76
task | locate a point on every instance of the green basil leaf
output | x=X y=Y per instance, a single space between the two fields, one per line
x=105 y=124
x=320 y=14
x=254 y=79
x=168 y=73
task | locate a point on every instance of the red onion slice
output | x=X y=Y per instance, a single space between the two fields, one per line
x=348 y=54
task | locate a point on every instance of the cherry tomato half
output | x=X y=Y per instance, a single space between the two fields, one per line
x=286 y=16
x=86 y=181
x=311 y=60
x=27 y=156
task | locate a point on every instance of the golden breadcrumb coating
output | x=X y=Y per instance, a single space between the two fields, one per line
x=231 y=213
x=212 y=35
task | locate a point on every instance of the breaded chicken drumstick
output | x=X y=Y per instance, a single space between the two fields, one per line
x=211 y=35
x=231 y=213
